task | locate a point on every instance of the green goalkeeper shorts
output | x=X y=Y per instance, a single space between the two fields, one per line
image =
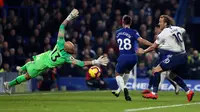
x=36 y=67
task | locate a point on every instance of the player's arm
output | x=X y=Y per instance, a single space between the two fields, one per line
x=160 y=39
x=151 y=48
x=102 y=60
x=141 y=40
x=81 y=63
x=144 y=41
x=71 y=16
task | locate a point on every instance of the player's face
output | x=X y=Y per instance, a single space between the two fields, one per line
x=162 y=24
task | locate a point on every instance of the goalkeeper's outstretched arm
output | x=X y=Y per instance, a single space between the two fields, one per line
x=71 y=16
x=102 y=60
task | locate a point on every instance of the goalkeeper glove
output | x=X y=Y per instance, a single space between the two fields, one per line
x=102 y=60
x=73 y=14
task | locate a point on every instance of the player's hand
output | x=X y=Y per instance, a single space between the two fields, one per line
x=140 y=51
x=102 y=60
x=18 y=68
x=74 y=13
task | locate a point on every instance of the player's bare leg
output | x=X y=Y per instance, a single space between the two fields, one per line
x=157 y=69
x=120 y=83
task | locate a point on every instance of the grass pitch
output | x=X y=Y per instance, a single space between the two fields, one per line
x=96 y=101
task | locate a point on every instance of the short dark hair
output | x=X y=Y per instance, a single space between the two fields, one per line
x=127 y=20
x=168 y=20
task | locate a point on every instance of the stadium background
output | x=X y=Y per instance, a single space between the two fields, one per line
x=30 y=27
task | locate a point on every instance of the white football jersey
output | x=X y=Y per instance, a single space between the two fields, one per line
x=171 y=39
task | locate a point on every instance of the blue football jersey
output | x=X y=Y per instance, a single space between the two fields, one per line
x=127 y=40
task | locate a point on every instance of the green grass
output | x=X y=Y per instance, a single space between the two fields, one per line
x=93 y=102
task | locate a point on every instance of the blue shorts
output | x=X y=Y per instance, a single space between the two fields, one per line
x=177 y=63
x=125 y=63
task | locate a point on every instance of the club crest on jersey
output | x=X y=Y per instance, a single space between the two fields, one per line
x=72 y=58
x=167 y=60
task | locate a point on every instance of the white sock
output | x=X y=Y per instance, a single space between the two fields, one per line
x=153 y=93
x=125 y=78
x=188 y=91
x=162 y=79
x=120 y=82
x=118 y=90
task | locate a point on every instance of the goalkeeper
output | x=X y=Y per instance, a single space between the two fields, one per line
x=62 y=53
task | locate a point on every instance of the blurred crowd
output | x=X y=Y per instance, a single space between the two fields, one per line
x=33 y=28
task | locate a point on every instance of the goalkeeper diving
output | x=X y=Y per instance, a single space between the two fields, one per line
x=62 y=53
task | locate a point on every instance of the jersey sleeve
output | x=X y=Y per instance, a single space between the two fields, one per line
x=61 y=40
x=74 y=61
x=136 y=35
x=116 y=33
x=160 y=39
x=182 y=30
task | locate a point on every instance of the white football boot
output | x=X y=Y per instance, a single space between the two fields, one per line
x=7 y=89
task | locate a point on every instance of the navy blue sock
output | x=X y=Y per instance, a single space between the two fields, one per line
x=150 y=82
x=156 y=81
x=181 y=83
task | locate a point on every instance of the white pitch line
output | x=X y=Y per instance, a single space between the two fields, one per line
x=158 y=107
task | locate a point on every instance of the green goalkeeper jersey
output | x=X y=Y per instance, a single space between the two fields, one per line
x=58 y=56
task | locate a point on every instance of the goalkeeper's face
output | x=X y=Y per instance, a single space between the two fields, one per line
x=69 y=47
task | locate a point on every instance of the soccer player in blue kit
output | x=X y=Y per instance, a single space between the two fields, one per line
x=127 y=40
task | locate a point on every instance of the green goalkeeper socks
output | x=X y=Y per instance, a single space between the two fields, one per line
x=18 y=80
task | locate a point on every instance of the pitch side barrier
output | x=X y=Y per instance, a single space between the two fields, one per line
x=78 y=83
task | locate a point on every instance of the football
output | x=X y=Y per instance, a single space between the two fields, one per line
x=94 y=71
